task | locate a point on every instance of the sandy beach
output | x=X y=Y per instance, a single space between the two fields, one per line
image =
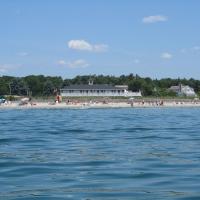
x=87 y=105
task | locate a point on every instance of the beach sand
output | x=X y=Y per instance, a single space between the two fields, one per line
x=85 y=105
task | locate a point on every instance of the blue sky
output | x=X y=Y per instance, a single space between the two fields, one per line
x=74 y=37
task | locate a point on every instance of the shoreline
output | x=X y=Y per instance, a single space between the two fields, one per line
x=88 y=105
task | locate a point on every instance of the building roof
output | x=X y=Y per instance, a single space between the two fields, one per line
x=175 y=88
x=94 y=87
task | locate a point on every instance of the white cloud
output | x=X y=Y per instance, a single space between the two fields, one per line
x=190 y=50
x=61 y=62
x=166 y=55
x=80 y=63
x=83 y=45
x=80 y=45
x=154 y=19
x=100 y=48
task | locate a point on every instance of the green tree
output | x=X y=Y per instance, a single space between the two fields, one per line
x=135 y=85
x=48 y=89
x=18 y=87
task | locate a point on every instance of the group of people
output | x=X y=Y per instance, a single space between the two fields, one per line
x=149 y=103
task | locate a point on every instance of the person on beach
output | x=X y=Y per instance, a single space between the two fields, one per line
x=131 y=103
x=161 y=103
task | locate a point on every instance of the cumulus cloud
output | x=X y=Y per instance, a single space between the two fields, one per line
x=80 y=45
x=83 y=45
x=79 y=63
x=154 y=18
x=166 y=55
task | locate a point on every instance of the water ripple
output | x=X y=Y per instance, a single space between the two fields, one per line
x=100 y=154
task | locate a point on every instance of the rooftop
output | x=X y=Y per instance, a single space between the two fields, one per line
x=95 y=87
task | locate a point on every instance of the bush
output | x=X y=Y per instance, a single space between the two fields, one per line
x=10 y=98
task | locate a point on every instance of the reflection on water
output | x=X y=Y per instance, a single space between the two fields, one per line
x=100 y=154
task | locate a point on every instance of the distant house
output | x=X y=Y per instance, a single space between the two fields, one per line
x=183 y=90
x=98 y=90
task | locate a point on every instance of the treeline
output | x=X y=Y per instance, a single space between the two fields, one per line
x=46 y=86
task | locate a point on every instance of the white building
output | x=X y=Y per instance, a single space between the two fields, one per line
x=183 y=90
x=98 y=90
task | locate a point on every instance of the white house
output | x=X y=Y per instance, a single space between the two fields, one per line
x=98 y=90
x=183 y=90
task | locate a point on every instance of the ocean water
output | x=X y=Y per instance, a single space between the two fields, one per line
x=88 y=154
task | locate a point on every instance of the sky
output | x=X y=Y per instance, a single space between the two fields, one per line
x=156 y=38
